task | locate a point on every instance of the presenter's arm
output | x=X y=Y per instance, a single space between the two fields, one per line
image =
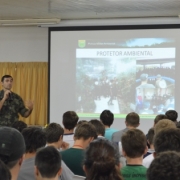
x=29 y=105
x=6 y=95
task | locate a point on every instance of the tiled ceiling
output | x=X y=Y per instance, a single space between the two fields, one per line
x=87 y=9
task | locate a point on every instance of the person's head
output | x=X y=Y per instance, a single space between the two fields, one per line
x=132 y=120
x=19 y=125
x=7 y=82
x=85 y=132
x=102 y=161
x=134 y=143
x=47 y=163
x=144 y=77
x=164 y=124
x=159 y=117
x=12 y=148
x=172 y=115
x=70 y=119
x=100 y=130
x=107 y=118
x=167 y=140
x=150 y=136
x=81 y=121
x=158 y=77
x=4 y=172
x=34 y=138
x=165 y=166
x=54 y=134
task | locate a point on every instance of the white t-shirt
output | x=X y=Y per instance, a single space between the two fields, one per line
x=147 y=160
x=69 y=138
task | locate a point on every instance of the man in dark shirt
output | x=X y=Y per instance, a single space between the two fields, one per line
x=11 y=104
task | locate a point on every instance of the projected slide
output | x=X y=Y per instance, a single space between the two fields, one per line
x=123 y=76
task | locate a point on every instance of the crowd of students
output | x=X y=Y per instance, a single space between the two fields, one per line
x=91 y=150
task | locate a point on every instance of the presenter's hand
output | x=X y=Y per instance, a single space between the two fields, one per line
x=29 y=104
x=6 y=94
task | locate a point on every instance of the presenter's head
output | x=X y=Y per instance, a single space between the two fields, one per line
x=7 y=82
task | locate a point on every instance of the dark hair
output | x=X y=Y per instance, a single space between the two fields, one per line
x=165 y=166
x=85 y=131
x=132 y=119
x=4 y=172
x=107 y=117
x=159 y=117
x=150 y=136
x=34 y=138
x=19 y=125
x=167 y=140
x=172 y=115
x=48 y=161
x=81 y=121
x=70 y=119
x=134 y=143
x=5 y=76
x=53 y=132
x=100 y=129
x=101 y=161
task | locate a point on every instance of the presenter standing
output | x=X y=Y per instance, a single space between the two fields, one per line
x=11 y=103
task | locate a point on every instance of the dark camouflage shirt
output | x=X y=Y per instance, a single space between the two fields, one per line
x=10 y=109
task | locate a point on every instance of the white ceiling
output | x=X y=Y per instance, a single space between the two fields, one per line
x=87 y=9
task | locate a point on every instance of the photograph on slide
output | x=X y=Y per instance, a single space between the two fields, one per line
x=137 y=75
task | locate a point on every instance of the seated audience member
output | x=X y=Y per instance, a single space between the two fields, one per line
x=47 y=164
x=159 y=117
x=161 y=125
x=12 y=149
x=4 y=172
x=132 y=121
x=81 y=121
x=73 y=157
x=70 y=119
x=102 y=161
x=107 y=118
x=19 y=125
x=172 y=115
x=54 y=136
x=100 y=129
x=165 y=166
x=150 y=137
x=134 y=147
x=34 y=138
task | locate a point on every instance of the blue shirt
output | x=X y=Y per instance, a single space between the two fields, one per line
x=109 y=132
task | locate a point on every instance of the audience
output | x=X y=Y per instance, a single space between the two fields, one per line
x=100 y=129
x=107 y=118
x=134 y=147
x=73 y=157
x=172 y=115
x=70 y=120
x=19 y=125
x=101 y=161
x=165 y=166
x=132 y=121
x=12 y=148
x=48 y=164
x=159 y=117
x=4 y=172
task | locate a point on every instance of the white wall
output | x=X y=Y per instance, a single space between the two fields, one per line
x=23 y=44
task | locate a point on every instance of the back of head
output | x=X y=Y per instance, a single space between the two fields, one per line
x=100 y=129
x=4 y=172
x=48 y=162
x=159 y=117
x=102 y=160
x=19 y=125
x=144 y=77
x=70 y=119
x=134 y=143
x=132 y=119
x=165 y=166
x=85 y=131
x=53 y=132
x=150 y=136
x=167 y=140
x=12 y=146
x=164 y=124
x=172 y=115
x=34 y=138
x=107 y=117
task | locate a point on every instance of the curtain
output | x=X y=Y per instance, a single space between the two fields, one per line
x=30 y=81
